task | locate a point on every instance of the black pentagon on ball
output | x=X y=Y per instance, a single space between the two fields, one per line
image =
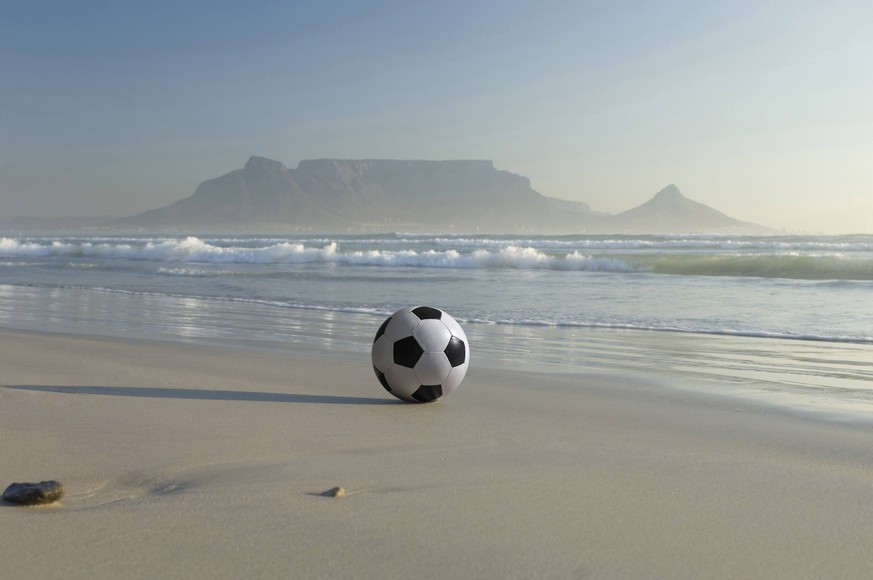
x=407 y=351
x=428 y=393
x=382 y=328
x=427 y=312
x=456 y=351
x=381 y=376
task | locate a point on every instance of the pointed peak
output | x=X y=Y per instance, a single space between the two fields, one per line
x=670 y=192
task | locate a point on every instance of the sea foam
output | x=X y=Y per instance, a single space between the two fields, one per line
x=193 y=249
x=809 y=259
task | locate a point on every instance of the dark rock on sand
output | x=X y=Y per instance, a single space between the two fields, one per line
x=334 y=492
x=34 y=493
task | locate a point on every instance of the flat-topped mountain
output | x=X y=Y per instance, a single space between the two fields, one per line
x=380 y=194
x=367 y=194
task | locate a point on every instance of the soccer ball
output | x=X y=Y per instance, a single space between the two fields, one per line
x=420 y=354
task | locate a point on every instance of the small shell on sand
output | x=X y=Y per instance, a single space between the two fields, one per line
x=41 y=493
x=334 y=492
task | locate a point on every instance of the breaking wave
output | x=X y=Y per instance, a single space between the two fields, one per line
x=195 y=250
x=835 y=259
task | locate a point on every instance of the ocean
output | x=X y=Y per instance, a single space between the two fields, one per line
x=784 y=318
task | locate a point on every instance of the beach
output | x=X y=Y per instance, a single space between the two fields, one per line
x=198 y=460
x=436 y=291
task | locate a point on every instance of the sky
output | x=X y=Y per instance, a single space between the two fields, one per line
x=761 y=109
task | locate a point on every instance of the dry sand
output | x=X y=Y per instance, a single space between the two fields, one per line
x=198 y=462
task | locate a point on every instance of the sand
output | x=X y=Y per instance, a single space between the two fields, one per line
x=185 y=461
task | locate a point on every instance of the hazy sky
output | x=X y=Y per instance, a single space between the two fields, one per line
x=762 y=109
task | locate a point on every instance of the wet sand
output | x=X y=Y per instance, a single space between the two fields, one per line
x=185 y=461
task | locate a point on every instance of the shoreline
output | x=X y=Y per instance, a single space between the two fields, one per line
x=192 y=461
x=825 y=382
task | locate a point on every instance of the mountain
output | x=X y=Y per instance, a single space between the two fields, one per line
x=367 y=194
x=262 y=191
x=671 y=212
x=386 y=195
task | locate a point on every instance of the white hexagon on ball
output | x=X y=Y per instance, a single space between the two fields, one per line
x=432 y=335
x=420 y=354
x=432 y=368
